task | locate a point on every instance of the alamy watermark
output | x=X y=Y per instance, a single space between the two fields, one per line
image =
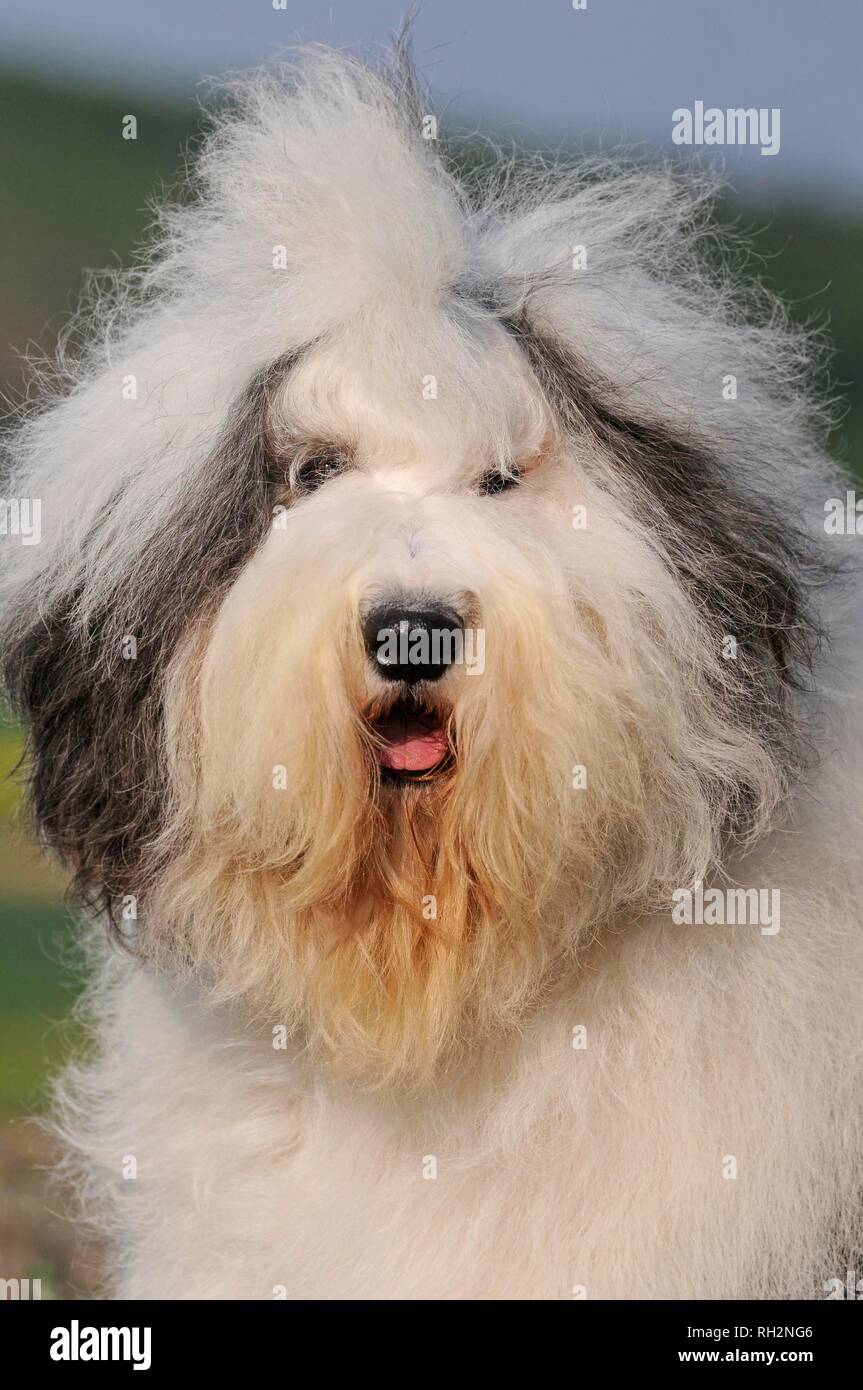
x=851 y=1288
x=843 y=516
x=417 y=645
x=20 y=1290
x=737 y=125
x=22 y=517
x=727 y=907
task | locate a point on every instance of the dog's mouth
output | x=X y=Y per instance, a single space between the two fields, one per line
x=412 y=741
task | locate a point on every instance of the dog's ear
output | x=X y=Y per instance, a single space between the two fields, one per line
x=84 y=668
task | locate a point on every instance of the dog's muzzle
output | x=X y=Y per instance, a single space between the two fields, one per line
x=410 y=645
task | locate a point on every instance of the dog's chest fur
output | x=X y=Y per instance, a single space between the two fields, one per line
x=665 y=1157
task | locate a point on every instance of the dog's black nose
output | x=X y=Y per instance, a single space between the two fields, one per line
x=412 y=644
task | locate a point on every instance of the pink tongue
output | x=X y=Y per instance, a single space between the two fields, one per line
x=409 y=744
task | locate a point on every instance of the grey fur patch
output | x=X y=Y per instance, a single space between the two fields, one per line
x=746 y=569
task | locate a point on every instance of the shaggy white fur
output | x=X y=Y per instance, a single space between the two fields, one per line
x=374 y=1037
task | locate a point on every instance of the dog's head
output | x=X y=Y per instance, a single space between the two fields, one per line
x=412 y=598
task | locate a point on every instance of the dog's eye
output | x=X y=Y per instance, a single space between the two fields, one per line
x=313 y=470
x=493 y=482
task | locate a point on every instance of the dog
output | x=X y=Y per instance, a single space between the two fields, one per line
x=441 y=683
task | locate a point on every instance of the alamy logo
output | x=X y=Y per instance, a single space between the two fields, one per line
x=727 y=907
x=21 y=516
x=737 y=125
x=77 y=1343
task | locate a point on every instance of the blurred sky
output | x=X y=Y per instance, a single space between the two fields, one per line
x=536 y=69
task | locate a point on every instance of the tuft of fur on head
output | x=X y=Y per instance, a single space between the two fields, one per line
x=330 y=266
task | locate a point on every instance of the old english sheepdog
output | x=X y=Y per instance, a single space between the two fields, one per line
x=441 y=682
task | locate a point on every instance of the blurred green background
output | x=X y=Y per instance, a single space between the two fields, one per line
x=74 y=197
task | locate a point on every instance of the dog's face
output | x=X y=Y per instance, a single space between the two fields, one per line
x=453 y=713
x=431 y=674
